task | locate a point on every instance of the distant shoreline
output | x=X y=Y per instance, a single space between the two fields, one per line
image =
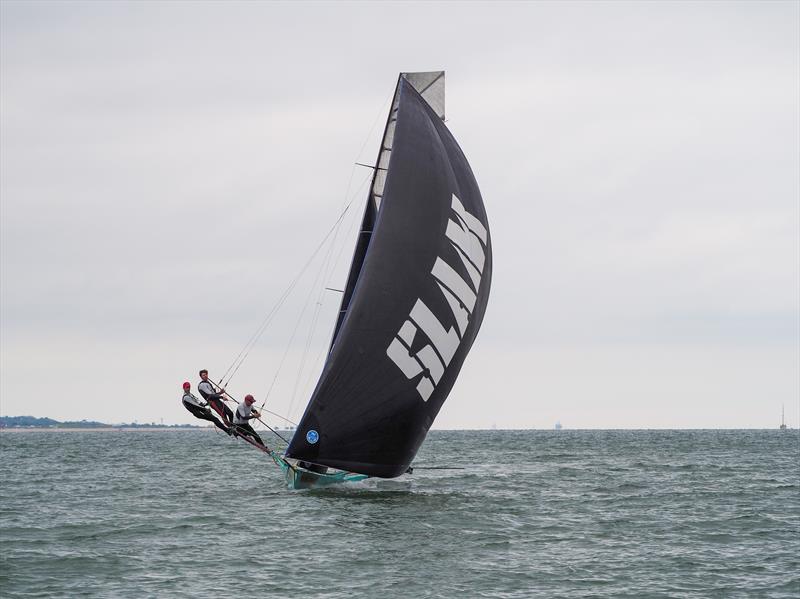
x=102 y=429
x=139 y=429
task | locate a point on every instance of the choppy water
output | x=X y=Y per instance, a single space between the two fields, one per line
x=532 y=514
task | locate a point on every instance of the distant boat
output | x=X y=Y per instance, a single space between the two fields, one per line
x=783 y=420
x=558 y=426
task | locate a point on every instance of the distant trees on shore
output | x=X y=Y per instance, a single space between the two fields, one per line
x=33 y=422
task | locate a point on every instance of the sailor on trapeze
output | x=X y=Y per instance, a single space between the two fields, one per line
x=246 y=412
x=199 y=408
x=214 y=398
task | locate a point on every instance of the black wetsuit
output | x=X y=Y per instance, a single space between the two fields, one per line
x=248 y=431
x=201 y=412
x=215 y=401
x=243 y=426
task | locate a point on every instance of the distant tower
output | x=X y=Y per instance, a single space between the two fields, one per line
x=783 y=421
x=558 y=425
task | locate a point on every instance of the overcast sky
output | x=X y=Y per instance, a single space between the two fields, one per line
x=167 y=168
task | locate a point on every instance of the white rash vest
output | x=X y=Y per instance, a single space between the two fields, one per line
x=206 y=388
x=242 y=412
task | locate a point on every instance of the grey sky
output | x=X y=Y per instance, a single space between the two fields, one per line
x=168 y=167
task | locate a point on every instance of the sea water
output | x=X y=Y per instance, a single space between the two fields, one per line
x=519 y=514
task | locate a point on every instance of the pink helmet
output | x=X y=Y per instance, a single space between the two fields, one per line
x=187 y=385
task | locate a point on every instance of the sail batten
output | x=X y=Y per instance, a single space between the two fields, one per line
x=415 y=297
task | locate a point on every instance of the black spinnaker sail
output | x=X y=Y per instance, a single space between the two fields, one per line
x=415 y=298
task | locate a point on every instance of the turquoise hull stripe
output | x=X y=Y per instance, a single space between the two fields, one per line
x=300 y=478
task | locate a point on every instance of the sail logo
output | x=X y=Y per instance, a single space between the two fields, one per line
x=468 y=236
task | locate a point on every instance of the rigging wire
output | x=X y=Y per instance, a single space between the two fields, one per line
x=284 y=418
x=305 y=307
x=324 y=278
x=331 y=268
x=314 y=319
x=322 y=350
x=326 y=272
x=245 y=351
x=271 y=314
x=355 y=224
x=265 y=323
x=289 y=344
x=374 y=123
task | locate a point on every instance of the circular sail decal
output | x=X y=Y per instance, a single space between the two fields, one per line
x=312 y=436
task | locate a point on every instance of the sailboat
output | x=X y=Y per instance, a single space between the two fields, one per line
x=783 y=419
x=412 y=306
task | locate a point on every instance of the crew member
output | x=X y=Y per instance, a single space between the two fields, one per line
x=199 y=408
x=214 y=398
x=244 y=413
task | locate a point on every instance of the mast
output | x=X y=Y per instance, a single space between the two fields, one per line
x=430 y=86
x=367 y=221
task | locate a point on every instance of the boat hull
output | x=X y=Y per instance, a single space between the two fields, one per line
x=301 y=478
